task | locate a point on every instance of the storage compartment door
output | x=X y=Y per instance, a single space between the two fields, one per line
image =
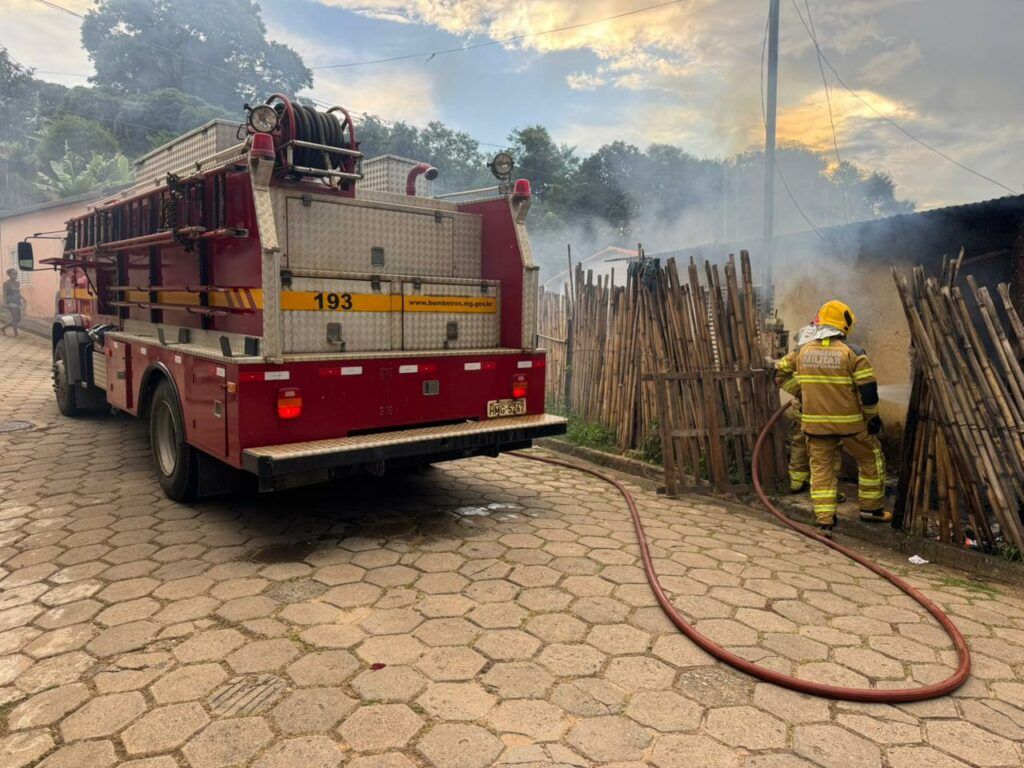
x=350 y=236
x=338 y=315
x=119 y=374
x=443 y=315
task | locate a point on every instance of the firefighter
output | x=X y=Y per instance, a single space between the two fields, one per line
x=839 y=401
x=799 y=459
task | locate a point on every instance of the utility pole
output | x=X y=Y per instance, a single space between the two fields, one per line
x=769 y=140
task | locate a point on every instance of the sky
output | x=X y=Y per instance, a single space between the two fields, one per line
x=687 y=73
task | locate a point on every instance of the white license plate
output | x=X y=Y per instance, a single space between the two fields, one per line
x=498 y=408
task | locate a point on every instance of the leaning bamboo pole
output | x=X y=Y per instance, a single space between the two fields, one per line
x=967 y=430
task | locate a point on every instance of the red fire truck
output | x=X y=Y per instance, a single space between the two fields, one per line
x=269 y=307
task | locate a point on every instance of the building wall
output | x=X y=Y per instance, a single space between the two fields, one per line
x=39 y=288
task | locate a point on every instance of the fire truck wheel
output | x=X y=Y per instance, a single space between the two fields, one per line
x=173 y=459
x=67 y=395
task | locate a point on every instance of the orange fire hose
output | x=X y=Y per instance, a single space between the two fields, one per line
x=889 y=696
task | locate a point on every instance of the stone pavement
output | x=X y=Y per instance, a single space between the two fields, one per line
x=482 y=612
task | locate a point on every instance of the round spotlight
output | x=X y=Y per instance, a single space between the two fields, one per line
x=263 y=119
x=502 y=165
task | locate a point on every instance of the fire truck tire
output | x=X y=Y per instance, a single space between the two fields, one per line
x=174 y=460
x=63 y=389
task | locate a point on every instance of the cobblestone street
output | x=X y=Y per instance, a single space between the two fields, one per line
x=491 y=611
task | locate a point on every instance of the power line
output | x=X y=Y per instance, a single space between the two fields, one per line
x=831 y=121
x=490 y=43
x=61 y=8
x=888 y=119
x=63 y=74
x=778 y=168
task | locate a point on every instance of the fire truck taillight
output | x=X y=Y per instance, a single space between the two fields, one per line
x=519 y=385
x=289 y=403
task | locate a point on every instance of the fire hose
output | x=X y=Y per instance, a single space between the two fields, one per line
x=888 y=696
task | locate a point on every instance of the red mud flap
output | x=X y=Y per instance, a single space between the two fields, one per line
x=421 y=443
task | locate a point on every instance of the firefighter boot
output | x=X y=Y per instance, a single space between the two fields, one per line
x=826 y=529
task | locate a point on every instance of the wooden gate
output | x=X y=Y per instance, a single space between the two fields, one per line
x=709 y=422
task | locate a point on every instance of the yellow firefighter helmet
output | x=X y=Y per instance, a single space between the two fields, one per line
x=836 y=314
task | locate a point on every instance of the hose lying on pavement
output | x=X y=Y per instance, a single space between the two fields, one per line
x=889 y=696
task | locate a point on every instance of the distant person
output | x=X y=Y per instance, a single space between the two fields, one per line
x=12 y=300
x=839 y=395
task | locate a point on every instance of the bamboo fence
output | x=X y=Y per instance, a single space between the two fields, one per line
x=962 y=463
x=665 y=357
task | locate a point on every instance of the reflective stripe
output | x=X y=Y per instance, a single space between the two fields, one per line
x=865 y=483
x=862 y=495
x=800 y=475
x=808 y=379
x=783 y=365
x=864 y=373
x=791 y=385
x=823 y=494
x=852 y=418
x=825 y=508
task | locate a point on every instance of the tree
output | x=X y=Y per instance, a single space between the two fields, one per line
x=14 y=83
x=547 y=165
x=216 y=51
x=455 y=154
x=598 y=186
x=70 y=134
x=74 y=175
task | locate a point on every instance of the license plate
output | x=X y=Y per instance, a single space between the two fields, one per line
x=498 y=408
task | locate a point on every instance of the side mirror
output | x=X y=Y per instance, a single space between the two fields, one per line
x=26 y=261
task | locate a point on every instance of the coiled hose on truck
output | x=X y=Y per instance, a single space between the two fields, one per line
x=887 y=696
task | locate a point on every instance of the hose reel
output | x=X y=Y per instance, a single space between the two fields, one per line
x=309 y=142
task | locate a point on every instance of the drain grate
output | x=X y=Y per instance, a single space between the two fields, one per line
x=247 y=695
x=15 y=426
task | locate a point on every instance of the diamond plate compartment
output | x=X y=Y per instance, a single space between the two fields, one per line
x=307 y=331
x=341 y=235
x=430 y=330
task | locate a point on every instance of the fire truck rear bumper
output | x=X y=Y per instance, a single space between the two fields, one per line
x=405 y=446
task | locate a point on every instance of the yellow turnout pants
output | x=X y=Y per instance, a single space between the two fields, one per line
x=799 y=461
x=824 y=454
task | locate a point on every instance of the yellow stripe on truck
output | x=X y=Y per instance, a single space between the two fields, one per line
x=333 y=301
x=466 y=304
x=312 y=301
x=82 y=294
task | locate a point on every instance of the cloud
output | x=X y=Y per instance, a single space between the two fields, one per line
x=583 y=81
x=883 y=67
x=46 y=39
x=391 y=94
x=808 y=122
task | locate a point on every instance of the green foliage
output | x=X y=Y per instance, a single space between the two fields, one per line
x=78 y=136
x=971 y=585
x=218 y=52
x=140 y=121
x=650 y=445
x=455 y=154
x=590 y=434
x=73 y=175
